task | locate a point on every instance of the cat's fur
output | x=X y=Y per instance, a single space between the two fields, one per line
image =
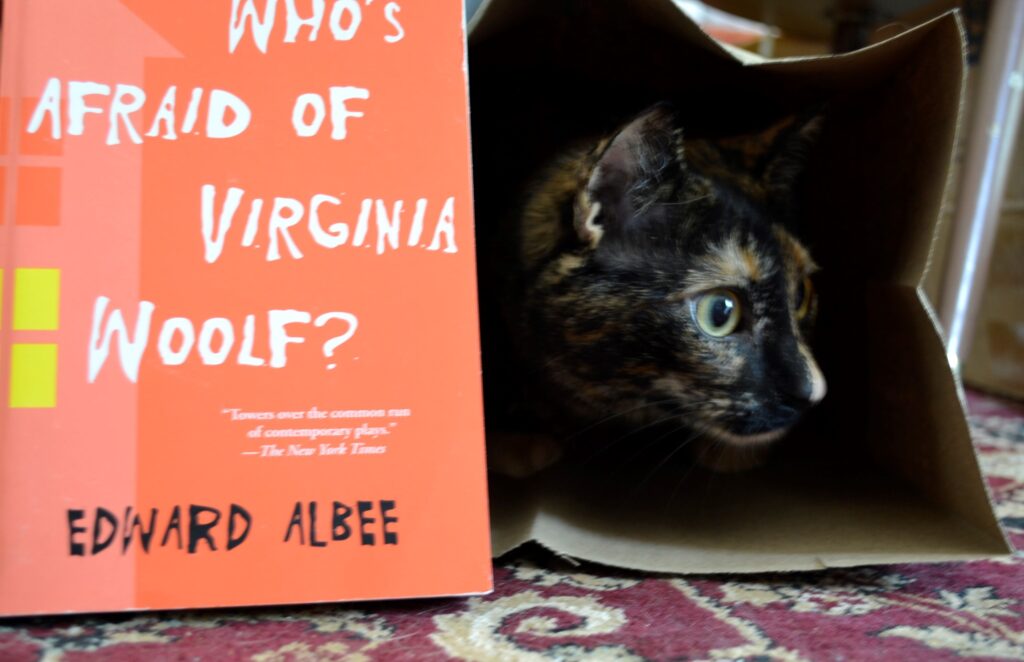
x=613 y=249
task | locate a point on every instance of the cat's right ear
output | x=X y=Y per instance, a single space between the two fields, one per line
x=628 y=173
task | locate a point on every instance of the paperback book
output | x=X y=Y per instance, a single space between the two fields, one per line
x=238 y=329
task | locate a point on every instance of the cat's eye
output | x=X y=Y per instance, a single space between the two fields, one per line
x=804 y=296
x=718 y=313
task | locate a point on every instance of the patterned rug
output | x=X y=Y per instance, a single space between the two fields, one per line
x=543 y=609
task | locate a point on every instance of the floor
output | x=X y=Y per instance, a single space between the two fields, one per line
x=545 y=609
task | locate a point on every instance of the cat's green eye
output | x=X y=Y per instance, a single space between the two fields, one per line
x=718 y=313
x=804 y=296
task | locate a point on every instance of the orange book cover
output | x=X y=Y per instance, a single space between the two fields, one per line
x=238 y=329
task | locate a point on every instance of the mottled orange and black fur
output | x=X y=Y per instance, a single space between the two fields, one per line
x=617 y=245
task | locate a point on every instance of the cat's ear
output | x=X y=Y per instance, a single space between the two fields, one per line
x=790 y=153
x=628 y=173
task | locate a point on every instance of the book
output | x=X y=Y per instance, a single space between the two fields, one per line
x=238 y=328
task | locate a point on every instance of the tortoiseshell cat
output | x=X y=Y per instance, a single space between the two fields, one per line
x=658 y=280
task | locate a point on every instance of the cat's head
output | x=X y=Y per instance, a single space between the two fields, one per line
x=675 y=288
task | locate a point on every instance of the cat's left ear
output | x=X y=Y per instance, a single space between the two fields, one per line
x=628 y=173
x=790 y=153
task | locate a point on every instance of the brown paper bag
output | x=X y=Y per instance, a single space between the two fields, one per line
x=996 y=359
x=883 y=470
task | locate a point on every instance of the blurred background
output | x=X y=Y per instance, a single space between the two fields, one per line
x=976 y=279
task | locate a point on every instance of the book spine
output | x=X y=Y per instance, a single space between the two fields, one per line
x=9 y=122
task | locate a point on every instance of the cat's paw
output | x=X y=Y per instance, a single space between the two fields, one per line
x=520 y=455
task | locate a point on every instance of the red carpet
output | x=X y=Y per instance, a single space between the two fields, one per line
x=543 y=609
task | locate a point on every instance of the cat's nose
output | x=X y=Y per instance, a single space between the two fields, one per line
x=791 y=397
x=797 y=395
x=816 y=387
x=781 y=416
x=803 y=391
x=804 y=385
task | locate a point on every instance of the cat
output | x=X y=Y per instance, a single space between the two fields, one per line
x=655 y=278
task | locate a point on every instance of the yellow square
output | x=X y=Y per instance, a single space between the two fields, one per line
x=33 y=376
x=36 y=299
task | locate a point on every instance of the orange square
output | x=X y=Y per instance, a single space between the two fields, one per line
x=41 y=142
x=37 y=200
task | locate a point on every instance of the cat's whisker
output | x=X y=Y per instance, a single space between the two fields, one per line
x=702 y=429
x=683 y=202
x=654 y=442
x=645 y=445
x=631 y=433
x=540 y=368
x=679 y=410
x=551 y=360
x=646 y=479
x=722 y=448
x=618 y=415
